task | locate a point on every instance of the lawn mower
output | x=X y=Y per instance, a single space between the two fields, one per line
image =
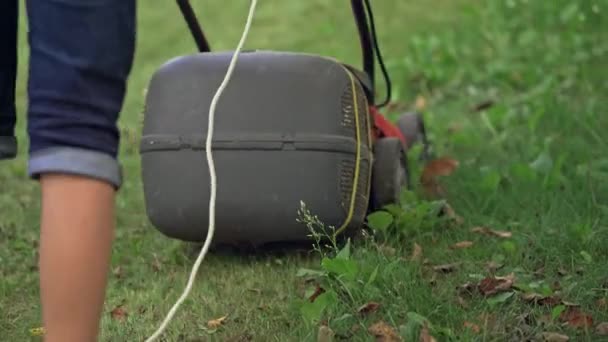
x=291 y=128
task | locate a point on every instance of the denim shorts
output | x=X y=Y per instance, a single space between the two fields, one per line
x=81 y=54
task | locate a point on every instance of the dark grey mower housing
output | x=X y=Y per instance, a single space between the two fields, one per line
x=285 y=131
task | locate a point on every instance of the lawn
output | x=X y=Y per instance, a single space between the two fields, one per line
x=515 y=90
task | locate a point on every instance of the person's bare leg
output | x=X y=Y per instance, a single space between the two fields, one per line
x=77 y=227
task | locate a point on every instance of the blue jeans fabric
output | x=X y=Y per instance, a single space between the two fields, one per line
x=81 y=54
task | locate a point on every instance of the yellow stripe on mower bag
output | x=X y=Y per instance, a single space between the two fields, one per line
x=353 y=197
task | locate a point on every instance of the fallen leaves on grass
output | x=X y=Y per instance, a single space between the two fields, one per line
x=325 y=334
x=493 y=285
x=117 y=272
x=575 y=318
x=490 y=232
x=416 y=252
x=425 y=335
x=420 y=103
x=536 y=298
x=369 y=308
x=493 y=266
x=462 y=302
x=462 y=245
x=246 y=337
x=156 y=264
x=256 y=291
x=433 y=170
x=446 y=268
x=387 y=250
x=318 y=291
x=554 y=337
x=602 y=329
x=384 y=332
x=449 y=212
x=487 y=321
x=472 y=326
x=119 y=313
x=483 y=105
x=466 y=289
x=454 y=127
x=216 y=323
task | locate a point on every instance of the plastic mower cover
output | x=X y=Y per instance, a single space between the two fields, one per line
x=290 y=127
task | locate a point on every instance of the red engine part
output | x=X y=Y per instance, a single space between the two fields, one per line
x=384 y=128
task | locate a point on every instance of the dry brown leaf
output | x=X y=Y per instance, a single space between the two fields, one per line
x=556 y=286
x=491 y=232
x=493 y=285
x=536 y=298
x=474 y=327
x=318 y=291
x=462 y=245
x=487 y=320
x=575 y=318
x=433 y=280
x=539 y=272
x=433 y=170
x=444 y=166
x=156 y=264
x=368 y=308
x=554 y=337
x=551 y=301
x=384 y=332
x=387 y=250
x=119 y=313
x=117 y=272
x=216 y=323
x=448 y=211
x=532 y=297
x=325 y=334
x=416 y=252
x=570 y=303
x=454 y=127
x=246 y=337
x=420 y=104
x=482 y=105
x=545 y=319
x=425 y=335
x=602 y=303
x=602 y=329
x=447 y=268
x=493 y=266
x=466 y=289
x=395 y=106
x=462 y=302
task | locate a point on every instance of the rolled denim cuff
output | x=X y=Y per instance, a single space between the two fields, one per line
x=76 y=161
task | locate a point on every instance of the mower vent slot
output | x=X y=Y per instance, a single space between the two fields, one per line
x=347 y=173
x=348 y=116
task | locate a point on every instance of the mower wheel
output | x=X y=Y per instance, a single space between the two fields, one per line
x=411 y=126
x=389 y=172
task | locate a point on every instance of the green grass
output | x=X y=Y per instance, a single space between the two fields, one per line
x=534 y=163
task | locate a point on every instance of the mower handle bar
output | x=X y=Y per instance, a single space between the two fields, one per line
x=357 y=7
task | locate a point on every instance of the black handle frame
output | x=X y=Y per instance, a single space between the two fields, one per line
x=193 y=25
x=366 y=37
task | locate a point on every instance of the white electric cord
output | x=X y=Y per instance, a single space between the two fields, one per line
x=213 y=176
